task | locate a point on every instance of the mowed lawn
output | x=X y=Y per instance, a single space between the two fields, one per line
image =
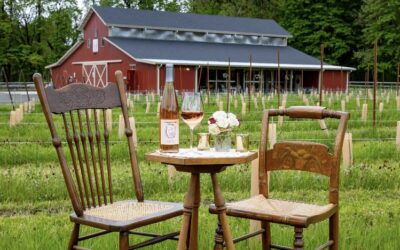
x=35 y=208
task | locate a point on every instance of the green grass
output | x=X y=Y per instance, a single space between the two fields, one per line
x=34 y=205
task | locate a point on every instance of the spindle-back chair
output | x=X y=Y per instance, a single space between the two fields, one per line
x=87 y=171
x=294 y=155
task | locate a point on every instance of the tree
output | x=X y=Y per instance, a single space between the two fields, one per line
x=35 y=33
x=381 y=21
x=323 y=21
x=242 y=8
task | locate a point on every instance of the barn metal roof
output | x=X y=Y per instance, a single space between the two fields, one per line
x=217 y=54
x=187 y=21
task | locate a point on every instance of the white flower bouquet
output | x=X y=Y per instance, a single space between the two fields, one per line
x=221 y=122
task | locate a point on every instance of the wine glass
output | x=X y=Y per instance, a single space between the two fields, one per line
x=192 y=111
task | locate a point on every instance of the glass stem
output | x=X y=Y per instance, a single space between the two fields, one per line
x=191 y=139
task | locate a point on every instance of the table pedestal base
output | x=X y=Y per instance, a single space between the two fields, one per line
x=188 y=238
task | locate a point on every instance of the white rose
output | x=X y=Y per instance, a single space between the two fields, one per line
x=233 y=121
x=213 y=129
x=219 y=115
x=223 y=122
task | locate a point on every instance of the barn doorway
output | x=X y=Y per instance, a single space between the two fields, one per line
x=95 y=74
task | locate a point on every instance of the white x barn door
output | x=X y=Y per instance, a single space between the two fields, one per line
x=95 y=74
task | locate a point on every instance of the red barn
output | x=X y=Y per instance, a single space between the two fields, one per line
x=141 y=42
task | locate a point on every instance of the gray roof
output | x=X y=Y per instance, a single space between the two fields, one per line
x=210 y=52
x=187 y=21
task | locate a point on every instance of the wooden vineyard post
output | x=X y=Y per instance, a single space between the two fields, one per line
x=347 y=151
x=221 y=105
x=32 y=105
x=398 y=102
x=121 y=126
x=131 y=105
x=321 y=74
x=243 y=108
x=278 y=84
x=358 y=101
x=26 y=106
x=20 y=114
x=263 y=102
x=284 y=100
x=343 y=105
x=13 y=119
x=147 y=107
x=133 y=127
x=272 y=134
x=380 y=107
x=398 y=135
x=280 y=118
x=323 y=126
x=255 y=103
x=171 y=173
x=305 y=100
x=109 y=119
x=364 y=112
x=158 y=108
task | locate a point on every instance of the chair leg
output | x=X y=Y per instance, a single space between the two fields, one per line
x=123 y=241
x=298 y=238
x=266 y=236
x=73 y=241
x=219 y=237
x=334 y=231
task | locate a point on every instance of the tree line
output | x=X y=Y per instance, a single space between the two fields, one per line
x=36 y=33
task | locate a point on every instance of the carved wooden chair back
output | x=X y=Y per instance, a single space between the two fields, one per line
x=303 y=156
x=88 y=173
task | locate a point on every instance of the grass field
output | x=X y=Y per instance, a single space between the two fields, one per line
x=34 y=206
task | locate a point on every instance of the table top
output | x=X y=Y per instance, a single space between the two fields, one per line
x=194 y=157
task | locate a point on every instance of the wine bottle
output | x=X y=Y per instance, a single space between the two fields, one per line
x=169 y=114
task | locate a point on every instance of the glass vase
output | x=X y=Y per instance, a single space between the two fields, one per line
x=222 y=142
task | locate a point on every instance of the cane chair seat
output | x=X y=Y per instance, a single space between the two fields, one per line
x=126 y=215
x=279 y=211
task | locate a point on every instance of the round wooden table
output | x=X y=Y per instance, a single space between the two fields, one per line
x=198 y=162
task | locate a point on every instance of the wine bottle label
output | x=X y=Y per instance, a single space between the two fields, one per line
x=169 y=132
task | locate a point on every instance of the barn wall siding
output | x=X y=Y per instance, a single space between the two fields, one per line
x=335 y=80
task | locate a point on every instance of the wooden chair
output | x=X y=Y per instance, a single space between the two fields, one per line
x=88 y=173
x=293 y=155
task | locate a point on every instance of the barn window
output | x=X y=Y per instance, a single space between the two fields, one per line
x=88 y=43
x=95 y=33
x=103 y=42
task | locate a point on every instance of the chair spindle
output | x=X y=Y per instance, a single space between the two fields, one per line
x=100 y=156
x=78 y=150
x=106 y=141
x=93 y=156
x=86 y=155
x=71 y=149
